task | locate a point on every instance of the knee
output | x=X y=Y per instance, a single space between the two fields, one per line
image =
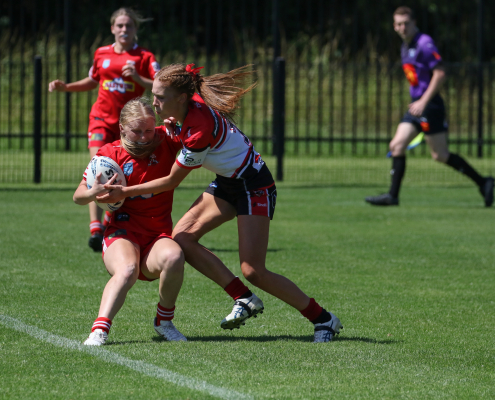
x=172 y=262
x=184 y=239
x=440 y=156
x=128 y=274
x=253 y=275
x=396 y=148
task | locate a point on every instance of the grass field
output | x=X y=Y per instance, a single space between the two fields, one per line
x=413 y=285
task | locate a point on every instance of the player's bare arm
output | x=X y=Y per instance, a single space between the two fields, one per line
x=83 y=195
x=83 y=85
x=438 y=78
x=170 y=182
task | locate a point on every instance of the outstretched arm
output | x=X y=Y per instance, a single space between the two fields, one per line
x=170 y=182
x=83 y=85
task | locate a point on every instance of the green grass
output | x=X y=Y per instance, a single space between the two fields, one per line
x=413 y=286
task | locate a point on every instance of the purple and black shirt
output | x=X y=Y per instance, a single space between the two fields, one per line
x=419 y=58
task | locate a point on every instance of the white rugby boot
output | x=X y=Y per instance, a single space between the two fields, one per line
x=168 y=331
x=244 y=308
x=97 y=338
x=327 y=330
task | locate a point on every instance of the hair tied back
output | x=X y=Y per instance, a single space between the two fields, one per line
x=192 y=71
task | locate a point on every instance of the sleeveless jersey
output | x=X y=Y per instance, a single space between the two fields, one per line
x=148 y=214
x=210 y=140
x=115 y=90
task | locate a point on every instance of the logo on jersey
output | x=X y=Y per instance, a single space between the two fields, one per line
x=106 y=63
x=97 y=136
x=436 y=55
x=155 y=66
x=411 y=74
x=189 y=161
x=153 y=160
x=128 y=168
x=118 y=85
x=412 y=52
x=120 y=232
x=425 y=126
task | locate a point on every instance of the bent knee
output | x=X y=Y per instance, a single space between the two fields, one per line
x=253 y=275
x=440 y=156
x=128 y=274
x=172 y=261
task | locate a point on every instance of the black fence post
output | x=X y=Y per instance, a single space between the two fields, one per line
x=37 y=119
x=276 y=54
x=279 y=114
x=480 y=79
x=67 y=29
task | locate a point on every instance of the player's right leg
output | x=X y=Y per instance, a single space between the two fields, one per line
x=207 y=213
x=165 y=261
x=96 y=228
x=122 y=262
x=405 y=133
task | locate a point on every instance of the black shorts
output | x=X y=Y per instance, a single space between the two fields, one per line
x=432 y=120
x=256 y=195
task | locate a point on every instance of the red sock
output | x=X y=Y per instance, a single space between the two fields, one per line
x=236 y=288
x=107 y=218
x=312 y=311
x=96 y=227
x=102 y=323
x=164 y=314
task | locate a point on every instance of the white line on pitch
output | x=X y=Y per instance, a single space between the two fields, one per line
x=108 y=356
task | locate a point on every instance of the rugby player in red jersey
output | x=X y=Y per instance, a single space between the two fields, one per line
x=244 y=188
x=423 y=68
x=138 y=241
x=121 y=71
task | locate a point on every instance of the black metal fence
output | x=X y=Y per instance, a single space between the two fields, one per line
x=344 y=93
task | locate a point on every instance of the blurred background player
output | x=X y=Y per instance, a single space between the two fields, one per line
x=243 y=188
x=121 y=71
x=422 y=66
x=138 y=242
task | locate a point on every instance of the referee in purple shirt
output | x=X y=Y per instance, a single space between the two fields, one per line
x=423 y=68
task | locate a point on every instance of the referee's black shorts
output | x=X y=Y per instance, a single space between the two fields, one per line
x=432 y=120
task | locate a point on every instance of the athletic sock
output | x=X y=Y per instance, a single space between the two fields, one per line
x=237 y=290
x=312 y=311
x=96 y=227
x=102 y=323
x=398 y=170
x=461 y=165
x=107 y=218
x=164 y=314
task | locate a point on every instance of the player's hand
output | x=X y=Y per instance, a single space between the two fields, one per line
x=129 y=69
x=98 y=188
x=171 y=125
x=115 y=193
x=57 y=85
x=417 y=107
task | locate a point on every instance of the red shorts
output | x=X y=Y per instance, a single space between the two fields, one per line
x=145 y=243
x=100 y=136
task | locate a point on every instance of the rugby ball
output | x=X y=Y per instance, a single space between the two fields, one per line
x=108 y=168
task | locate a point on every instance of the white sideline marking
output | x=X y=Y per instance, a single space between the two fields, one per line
x=108 y=356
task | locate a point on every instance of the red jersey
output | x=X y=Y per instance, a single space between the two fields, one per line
x=210 y=140
x=114 y=90
x=148 y=214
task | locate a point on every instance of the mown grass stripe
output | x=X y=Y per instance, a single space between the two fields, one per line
x=139 y=366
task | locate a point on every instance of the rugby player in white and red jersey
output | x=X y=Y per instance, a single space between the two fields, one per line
x=122 y=72
x=138 y=241
x=243 y=188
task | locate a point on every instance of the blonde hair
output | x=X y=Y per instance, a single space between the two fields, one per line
x=137 y=110
x=222 y=92
x=137 y=18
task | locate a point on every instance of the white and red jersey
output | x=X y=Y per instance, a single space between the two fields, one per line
x=114 y=89
x=148 y=214
x=210 y=140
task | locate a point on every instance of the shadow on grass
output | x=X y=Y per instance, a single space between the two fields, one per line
x=237 y=250
x=276 y=338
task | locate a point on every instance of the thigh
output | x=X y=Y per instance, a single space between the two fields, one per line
x=439 y=146
x=404 y=134
x=253 y=239
x=207 y=213
x=120 y=254
x=163 y=249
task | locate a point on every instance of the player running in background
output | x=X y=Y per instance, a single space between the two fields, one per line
x=138 y=242
x=243 y=188
x=422 y=65
x=121 y=71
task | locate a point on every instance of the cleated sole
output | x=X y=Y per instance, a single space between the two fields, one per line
x=236 y=323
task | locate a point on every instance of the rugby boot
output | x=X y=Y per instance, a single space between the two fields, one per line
x=486 y=191
x=244 y=308
x=325 y=331
x=168 y=331
x=96 y=242
x=97 y=338
x=384 y=199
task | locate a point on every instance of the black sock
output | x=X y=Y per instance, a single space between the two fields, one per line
x=398 y=170
x=323 y=317
x=246 y=295
x=461 y=165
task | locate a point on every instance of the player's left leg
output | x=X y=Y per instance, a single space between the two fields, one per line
x=253 y=244
x=165 y=261
x=96 y=228
x=438 y=144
